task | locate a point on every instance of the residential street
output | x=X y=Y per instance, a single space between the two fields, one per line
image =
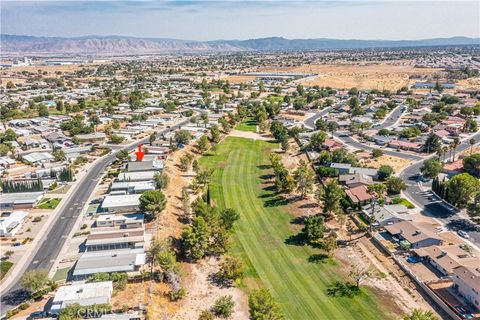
x=53 y=241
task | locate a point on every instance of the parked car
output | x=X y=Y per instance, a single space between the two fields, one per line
x=463 y=234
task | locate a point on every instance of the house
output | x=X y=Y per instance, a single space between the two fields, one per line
x=453 y=168
x=154 y=165
x=38 y=157
x=343 y=168
x=127 y=221
x=133 y=187
x=84 y=294
x=126 y=260
x=359 y=195
x=114 y=239
x=97 y=137
x=416 y=235
x=467 y=284
x=121 y=203
x=19 y=200
x=331 y=145
x=405 y=145
x=447 y=258
x=137 y=176
x=355 y=180
x=387 y=214
x=11 y=222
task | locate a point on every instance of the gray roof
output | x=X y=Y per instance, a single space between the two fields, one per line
x=20 y=197
x=109 y=261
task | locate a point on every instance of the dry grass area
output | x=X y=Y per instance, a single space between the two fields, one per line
x=64 y=68
x=398 y=164
x=363 y=75
x=238 y=79
x=469 y=83
x=202 y=292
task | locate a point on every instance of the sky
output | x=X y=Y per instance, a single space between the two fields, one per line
x=233 y=19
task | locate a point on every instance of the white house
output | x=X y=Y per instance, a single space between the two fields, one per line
x=84 y=294
x=11 y=222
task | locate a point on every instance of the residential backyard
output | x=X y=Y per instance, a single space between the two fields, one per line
x=261 y=239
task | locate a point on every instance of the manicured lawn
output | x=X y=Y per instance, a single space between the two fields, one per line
x=403 y=201
x=4 y=267
x=247 y=125
x=261 y=239
x=49 y=203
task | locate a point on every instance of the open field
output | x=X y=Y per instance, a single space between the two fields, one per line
x=263 y=238
x=364 y=75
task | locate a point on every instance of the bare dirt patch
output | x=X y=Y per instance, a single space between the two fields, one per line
x=202 y=292
x=366 y=75
x=398 y=164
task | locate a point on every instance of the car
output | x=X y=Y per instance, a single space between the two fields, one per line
x=37 y=315
x=463 y=234
x=16 y=244
x=413 y=259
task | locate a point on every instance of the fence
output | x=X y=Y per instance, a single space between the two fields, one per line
x=418 y=281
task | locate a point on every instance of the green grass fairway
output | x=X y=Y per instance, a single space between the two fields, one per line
x=261 y=234
x=247 y=125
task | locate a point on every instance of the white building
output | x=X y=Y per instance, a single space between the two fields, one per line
x=11 y=222
x=121 y=203
x=84 y=294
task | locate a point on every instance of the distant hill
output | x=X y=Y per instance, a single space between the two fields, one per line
x=120 y=45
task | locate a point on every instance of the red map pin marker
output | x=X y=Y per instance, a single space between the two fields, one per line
x=139 y=153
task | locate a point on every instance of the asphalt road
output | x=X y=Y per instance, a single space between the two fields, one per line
x=50 y=246
x=422 y=196
x=432 y=206
x=310 y=122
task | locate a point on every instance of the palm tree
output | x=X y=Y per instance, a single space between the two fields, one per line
x=455 y=144
x=418 y=314
x=445 y=150
x=472 y=143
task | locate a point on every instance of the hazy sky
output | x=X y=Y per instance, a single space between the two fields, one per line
x=208 y=20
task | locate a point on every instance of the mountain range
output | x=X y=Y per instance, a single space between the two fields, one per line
x=123 y=45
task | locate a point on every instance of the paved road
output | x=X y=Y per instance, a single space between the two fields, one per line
x=310 y=122
x=433 y=206
x=393 y=117
x=49 y=248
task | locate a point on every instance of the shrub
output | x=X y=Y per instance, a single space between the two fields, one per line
x=224 y=307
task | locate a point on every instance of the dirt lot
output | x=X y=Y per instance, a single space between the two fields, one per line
x=366 y=75
x=398 y=164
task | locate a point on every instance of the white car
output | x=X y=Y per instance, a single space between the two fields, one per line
x=463 y=234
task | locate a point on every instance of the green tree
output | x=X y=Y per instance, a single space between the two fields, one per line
x=152 y=138
x=206 y=315
x=329 y=244
x=228 y=217
x=395 y=185
x=431 y=167
x=331 y=196
x=161 y=180
x=418 y=314
x=314 y=228
x=223 y=307
x=471 y=164
x=195 y=239
x=203 y=144
x=317 y=139
x=231 y=269
x=377 y=153
x=461 y=189
x=152 y=202
x=304 y=178
x=35 y=280
x=59 y=155
x=262 y=306
x=182 y=137
x=384 y=172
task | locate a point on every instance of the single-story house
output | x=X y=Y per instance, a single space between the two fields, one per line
x=418 y=235
x=121 y=203
x=133 y=187
x=359 y=195
x=127 y=221
x=11 y=222
x=97 y=137
x=84 y=294
x=467 y=284
x=38 y=157
x=19 y=200
x=355 y=179
x=154 y=165
x=137 y=176
x=387 y=214
x=405 y=145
